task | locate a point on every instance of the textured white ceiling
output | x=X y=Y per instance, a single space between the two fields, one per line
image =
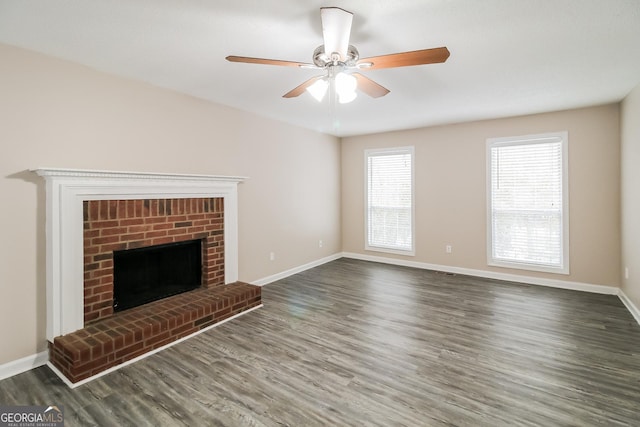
x=508 y=57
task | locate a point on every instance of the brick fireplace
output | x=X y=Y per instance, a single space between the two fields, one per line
x=114 y=225
x=91 y=214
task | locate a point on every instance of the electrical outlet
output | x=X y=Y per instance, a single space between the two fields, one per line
x=272 y=256
x=319 y=243
x=448 y=249
x=626 y=272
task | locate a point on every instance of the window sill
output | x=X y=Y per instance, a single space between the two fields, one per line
x=529 y=267
x=390 y=250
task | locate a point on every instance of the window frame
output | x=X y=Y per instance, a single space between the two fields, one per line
x=381 y=152
x=526 y=140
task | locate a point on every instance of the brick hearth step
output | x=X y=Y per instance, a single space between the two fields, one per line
x=126 y=335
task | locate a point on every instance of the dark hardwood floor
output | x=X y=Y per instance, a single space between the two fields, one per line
x=356 y=343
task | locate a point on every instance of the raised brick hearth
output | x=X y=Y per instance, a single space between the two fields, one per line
x=126 y=335
x=109 y=339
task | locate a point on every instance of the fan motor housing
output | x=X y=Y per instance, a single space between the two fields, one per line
x=322 y=59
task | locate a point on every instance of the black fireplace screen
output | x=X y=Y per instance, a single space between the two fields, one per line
x=148 y=274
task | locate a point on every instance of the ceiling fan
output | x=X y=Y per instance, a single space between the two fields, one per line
x=341 y=61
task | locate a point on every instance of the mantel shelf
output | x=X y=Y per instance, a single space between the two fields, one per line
x=97 y=174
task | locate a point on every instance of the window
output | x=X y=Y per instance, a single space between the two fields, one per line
x=389 y=200
x=528 y=202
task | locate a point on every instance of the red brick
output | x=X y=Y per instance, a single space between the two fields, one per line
x=136 y=244
x=103 y=272
x=162 y=241
x=140 y=228
x=153 y=207
x=93 y=209
x=104 y=224
x=90 y=364
x=157 y=338
x=91 y=250
x=113 y=247
x=102 y=289
x=88 y=300
x=155 y=220
x=154 y=234
x=132 y=351
x=131 y=221
x=131 y=209
x=87 y=234
x=113 y=209
x=122 y=209
x=90 y=315
x=163 y=226
x=92 y=266
x=100 y=305
x=112 y=231
x=139 y=209
x=118 y=342
x=132 y=236
x=107 y=277
x=103 y=210
x=89 y=283
x=102 y=257
x=221 y=313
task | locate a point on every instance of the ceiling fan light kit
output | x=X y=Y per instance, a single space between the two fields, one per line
x=346 y=86
x=319 y=89
x=340 y=62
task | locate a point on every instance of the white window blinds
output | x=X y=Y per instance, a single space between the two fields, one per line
x=528 y=202
x=389 y=203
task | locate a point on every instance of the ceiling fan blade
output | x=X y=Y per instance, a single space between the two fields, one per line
x=249 y=60
x=336 y=30
x=299 y=90
x=406 y=59
x=370 y=87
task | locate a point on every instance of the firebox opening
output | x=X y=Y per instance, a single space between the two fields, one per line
x=148 y=274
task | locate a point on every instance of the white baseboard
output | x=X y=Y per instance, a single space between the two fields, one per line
x=296 y=270
x=23 y=365
x=554 y=283
x=633 y=309
x=129 y=362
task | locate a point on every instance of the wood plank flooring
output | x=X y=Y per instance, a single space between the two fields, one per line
x=355 y=343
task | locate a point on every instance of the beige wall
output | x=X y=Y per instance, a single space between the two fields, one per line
x=630 y=124
x=57 y=114
x=451 y=190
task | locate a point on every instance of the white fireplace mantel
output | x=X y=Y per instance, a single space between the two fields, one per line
x=66 y=189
